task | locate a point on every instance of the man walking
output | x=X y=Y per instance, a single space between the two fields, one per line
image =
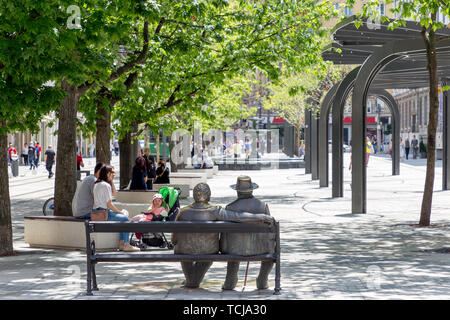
x=49 y=159
x=31 y=155
x=407 y=147
x=415 y=146
x=38 y=153
x=25 y=154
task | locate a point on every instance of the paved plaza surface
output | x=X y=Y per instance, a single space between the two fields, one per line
x=327 y=252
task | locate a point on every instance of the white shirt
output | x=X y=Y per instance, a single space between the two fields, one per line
x=102 y=194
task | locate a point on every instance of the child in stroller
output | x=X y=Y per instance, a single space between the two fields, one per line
x=164 y=207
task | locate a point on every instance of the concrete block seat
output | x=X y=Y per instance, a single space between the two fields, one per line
x=209 y=172
x=135 y=196
x=64 y=233
x=191 y=179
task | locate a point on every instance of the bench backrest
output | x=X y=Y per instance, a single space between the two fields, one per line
x=180 y=226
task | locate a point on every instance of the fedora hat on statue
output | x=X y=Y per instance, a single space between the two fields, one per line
x=244 y=184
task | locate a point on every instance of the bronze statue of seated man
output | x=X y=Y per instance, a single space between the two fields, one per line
x=251 y=243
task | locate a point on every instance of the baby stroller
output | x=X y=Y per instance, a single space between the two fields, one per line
x=146 y=240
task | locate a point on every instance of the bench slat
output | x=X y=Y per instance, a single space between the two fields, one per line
x=137 y=257
x=181 y=226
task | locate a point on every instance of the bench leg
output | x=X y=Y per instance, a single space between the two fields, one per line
x=89 y=279
x=277 y=262
x=94 y=278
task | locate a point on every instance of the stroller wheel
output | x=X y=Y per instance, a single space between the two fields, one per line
x=163 y=245
x=170 y=246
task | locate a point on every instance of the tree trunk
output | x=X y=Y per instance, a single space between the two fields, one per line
x=6 y=237
x=425 y=213
x=65 y=177
x=125 y=160
x=103 y=135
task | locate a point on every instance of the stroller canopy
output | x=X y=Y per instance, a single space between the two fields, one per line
x=170 y=195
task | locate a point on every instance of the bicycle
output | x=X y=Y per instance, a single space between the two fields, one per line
x=48 y=207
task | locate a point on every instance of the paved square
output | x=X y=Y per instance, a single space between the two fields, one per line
x=327 y=252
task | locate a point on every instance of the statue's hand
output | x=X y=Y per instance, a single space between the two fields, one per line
x=269 y=220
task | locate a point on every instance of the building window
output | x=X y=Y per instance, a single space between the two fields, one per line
x=382 y=8
x=348 y=11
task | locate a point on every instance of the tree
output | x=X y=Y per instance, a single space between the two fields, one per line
x=218 y=42
x=76 y=55
x=424 y=12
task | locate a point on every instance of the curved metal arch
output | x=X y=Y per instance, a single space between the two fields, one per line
x=337 y=115
x=323 y=135
x=393 y=107
x=371 y=67
x=323 y=132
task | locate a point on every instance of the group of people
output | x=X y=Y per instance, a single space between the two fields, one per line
x=244 y=148
x=202 y=161
x=145 y=173
x=406 y=146
x=31 y=154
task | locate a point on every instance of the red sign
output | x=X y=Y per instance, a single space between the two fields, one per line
x=278 y=120
x=369 y=120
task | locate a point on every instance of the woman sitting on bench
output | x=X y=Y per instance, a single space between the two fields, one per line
x=103 y=202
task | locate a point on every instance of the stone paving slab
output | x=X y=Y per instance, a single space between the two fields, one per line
x=327 y=252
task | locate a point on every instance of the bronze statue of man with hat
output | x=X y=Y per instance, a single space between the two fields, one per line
x=243 y=243
x=204 y=243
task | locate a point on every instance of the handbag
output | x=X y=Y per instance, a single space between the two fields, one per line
x=99 y=215
x=159 y=176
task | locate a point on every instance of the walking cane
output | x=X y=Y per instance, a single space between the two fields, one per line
x=245 y=278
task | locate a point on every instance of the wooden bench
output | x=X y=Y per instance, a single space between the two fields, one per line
x=177 y=227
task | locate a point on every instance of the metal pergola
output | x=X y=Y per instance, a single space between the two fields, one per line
x=386 y=59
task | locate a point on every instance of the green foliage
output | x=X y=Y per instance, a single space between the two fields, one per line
x=202 y=47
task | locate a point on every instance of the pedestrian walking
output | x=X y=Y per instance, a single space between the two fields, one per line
x=369 y=150
x=415 y=146
x=247 y=148
x=32 y=155
x=12 y=152
x=407 y=146
x=38 y=153
x=49 y=159
x=25 y=154
x=402 y=150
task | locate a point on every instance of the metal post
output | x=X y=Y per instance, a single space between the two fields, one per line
x=307 y=141
x=446 y=141
x=314 y=145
